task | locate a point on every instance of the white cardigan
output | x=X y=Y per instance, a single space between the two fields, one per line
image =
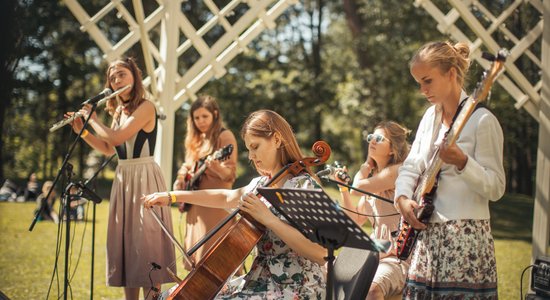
x=461 y=194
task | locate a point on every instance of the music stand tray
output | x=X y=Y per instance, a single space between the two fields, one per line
x=321 y=220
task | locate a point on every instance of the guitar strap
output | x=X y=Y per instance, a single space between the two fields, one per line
x=438 y=120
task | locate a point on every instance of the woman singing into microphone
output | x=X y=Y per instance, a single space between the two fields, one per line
x=134 y=239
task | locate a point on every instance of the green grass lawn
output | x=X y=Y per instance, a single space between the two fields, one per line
x=27 y=259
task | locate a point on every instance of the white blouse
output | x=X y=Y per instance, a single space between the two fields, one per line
x=461 y=194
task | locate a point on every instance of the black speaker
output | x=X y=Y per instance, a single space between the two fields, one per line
x=540 y=277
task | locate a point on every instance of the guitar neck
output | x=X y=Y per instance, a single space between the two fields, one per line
x=428 y=180
x=197 y=174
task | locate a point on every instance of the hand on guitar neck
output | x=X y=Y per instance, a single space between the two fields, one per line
x=453 y=155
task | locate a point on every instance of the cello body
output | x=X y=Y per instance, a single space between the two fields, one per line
x=229 y=252
x=217 y=266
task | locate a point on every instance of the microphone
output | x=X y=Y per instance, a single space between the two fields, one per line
x=330 y=170
x=155 y=265
x=161 y=116
x=86 y=192
x=106 y=93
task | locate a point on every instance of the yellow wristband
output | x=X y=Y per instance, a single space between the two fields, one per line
x=343 y=188
x=84 y=133
x=172 y=197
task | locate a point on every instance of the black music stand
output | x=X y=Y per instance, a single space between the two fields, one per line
x=322 y=221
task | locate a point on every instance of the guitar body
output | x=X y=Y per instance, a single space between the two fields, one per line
x=190 y=185
x=408 y=235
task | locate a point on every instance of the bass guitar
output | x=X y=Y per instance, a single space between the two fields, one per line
x=192 y=179
x=427 y=183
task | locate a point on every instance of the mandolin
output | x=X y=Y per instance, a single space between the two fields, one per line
x=427 y=182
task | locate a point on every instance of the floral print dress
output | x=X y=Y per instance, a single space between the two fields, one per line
x=277 y=271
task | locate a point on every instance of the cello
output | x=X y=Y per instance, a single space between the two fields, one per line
x=221 y=261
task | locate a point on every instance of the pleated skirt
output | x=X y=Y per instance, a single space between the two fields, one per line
x=134 y=238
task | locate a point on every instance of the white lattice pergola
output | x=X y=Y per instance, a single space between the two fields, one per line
x=178 y=37
x=533 y=96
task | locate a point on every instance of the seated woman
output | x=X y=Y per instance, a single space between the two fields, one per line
x=45 y=206
x=288 y=265
x=388 y=148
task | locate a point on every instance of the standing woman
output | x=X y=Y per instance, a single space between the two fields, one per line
x=134 y=238
x=288 y=265
x=206 y=134
x=454 y=255
x=388 y=148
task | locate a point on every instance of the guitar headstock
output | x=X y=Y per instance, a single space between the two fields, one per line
x=490 y=75
x=223 y=153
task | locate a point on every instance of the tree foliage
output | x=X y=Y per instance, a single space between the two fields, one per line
x=332 y=69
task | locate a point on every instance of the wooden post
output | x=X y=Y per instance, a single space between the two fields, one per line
x=542 y=194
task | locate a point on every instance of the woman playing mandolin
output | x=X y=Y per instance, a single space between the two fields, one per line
x=388 y=148
x=205 y=134
x=454 y=253
x=288 y=265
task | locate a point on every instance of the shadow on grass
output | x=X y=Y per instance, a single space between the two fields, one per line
x=512 y=217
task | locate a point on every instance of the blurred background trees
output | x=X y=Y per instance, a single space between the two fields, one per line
x=332 y=69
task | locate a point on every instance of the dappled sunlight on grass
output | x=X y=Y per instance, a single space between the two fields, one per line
x=27 y=258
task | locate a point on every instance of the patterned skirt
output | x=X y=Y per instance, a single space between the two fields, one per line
x=453 y=260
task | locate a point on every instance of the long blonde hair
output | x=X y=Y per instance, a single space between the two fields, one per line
x=445 y=56
x=264 y=124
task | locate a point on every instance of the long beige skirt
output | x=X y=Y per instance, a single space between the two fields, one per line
x=134 y=238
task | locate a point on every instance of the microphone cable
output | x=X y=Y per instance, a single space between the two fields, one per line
x=154 y=266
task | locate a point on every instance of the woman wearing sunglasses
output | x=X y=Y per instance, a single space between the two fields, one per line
x=388 y=148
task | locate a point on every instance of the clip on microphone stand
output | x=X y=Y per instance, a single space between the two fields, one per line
x=68 y=167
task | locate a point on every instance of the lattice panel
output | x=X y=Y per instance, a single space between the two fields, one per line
x=184 y=44
x=490 y=25
x=240 y=21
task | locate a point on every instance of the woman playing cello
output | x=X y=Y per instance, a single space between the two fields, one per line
x=288 y=265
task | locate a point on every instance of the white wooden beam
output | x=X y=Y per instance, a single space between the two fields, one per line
x=541 y=210
x=168 y=44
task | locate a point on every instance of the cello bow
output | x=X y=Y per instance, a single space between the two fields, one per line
x=228 y=253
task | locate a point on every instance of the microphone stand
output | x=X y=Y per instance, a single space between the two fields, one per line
x=359 y=190
x=86 y=191
x=68 y=167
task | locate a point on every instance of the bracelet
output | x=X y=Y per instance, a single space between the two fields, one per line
x=84 y=133
x=172 y=197
x=343 y=189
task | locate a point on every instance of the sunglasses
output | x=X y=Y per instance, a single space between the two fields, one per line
x=377 y=137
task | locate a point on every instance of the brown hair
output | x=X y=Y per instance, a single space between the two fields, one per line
x=194 y=142
x=397 y=135
x=264 y=124
x=445 y=56
x=137 y=94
